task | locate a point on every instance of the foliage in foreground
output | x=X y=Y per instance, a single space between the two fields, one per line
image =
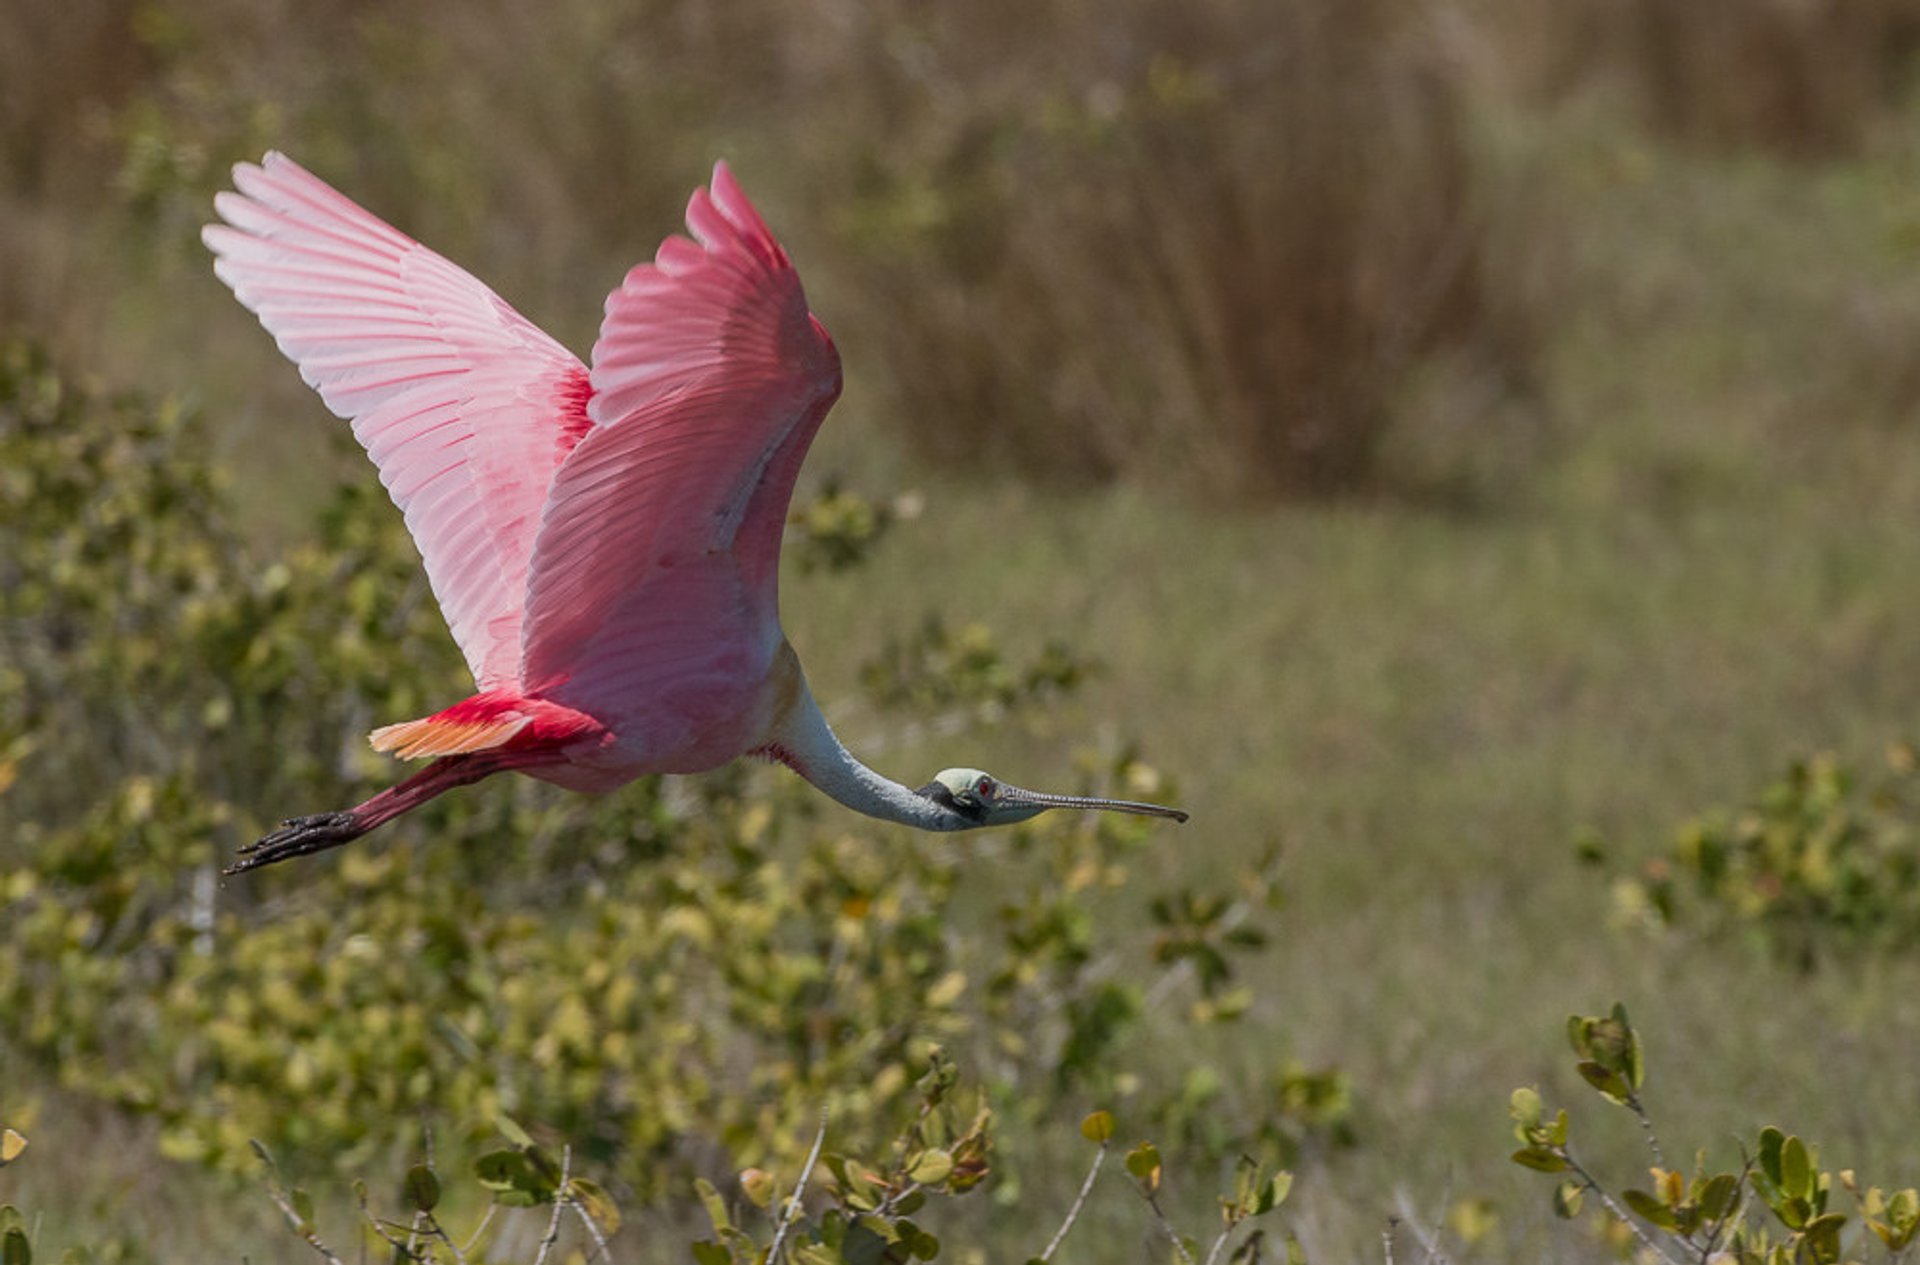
x=523 y=1203
x=668 y=977
x=1707 y=1214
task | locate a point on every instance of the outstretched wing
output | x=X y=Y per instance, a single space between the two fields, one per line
x=464 y=405
x=661 y=538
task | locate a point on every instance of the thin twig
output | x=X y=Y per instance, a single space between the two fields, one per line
x=1427 y=1238
x=593 y=1231
x=1173 y=1235
x=561 y=1198
x=1726 y=1222
x=793 y=1204
x=301 y=1226
x=1079 y=1201
x=1219 y=1245
x=1386 y=1239
x=473 y=1240
x=1620 y=1214
x=1646 y=1127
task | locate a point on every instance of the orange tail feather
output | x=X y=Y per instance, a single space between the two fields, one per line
x=485 y=722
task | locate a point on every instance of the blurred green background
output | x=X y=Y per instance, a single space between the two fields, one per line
x=1445 y=445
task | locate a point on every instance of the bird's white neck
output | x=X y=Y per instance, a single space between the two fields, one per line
x=801 y=739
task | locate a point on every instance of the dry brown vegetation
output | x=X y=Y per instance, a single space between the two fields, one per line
x=1802 y=78
x=1205 y=242
x=1210 y=244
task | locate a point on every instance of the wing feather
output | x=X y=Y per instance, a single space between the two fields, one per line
x=465 y=406
x=659 y=543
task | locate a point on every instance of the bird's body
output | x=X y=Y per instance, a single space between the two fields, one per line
x=604 y=542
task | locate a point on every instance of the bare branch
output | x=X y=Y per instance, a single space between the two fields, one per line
x=793 y=1204
x=1646 y=1127
x=593 y=1231
x=1079 y=1201
x=560 y=1200
x=1173 y=1235
x=299 y=1224
x=1620 y=1214
x=473 y=1240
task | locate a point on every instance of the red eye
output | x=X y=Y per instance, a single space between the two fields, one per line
x=984 y=788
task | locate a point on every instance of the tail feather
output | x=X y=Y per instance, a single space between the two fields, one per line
x=498 y=720
x=437 y=736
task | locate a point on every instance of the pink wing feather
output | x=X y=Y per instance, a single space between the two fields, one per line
x=657 y=560
x=465 y=406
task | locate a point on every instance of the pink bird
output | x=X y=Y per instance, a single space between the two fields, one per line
x=603 y=542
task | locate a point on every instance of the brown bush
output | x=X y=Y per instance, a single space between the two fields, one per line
x=1138 y=239
x=1149 y=239
x=1803 y=78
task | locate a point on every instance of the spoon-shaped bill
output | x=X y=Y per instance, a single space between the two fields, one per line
x=1014 y=796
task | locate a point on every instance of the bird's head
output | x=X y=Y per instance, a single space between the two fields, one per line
x=980 y=799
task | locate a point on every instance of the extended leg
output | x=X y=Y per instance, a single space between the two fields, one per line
x=301 y=836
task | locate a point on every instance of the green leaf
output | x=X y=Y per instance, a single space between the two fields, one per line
x=1275 y=1194
x=1610 y=1083
x=1823 y=1237
x=1525 y=1109
x=510 y=1130
x=1796 y=1170
x=1771 y=1143
x=592 y=1199
x=1143 y=1161
x=14 y=1248
x=867 y=1242
x=716 y=1207
x=758 y=1185
x=502 y=1170
x=707 y=1252
x=1651 y=1209
x=931 y=1168
x=1098 y=1127
x=1540 y=1159
x=1567 y=1198
x=1632 y=1063
x=421 y=1189
x=1718 y=1197
x=923 y=1245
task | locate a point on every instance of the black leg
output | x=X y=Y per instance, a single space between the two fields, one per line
x=298 y=837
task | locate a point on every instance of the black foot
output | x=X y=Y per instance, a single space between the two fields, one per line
x=298 y=837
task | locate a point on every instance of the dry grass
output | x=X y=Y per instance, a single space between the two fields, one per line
x=1200 y=242
x=1209 y=248
x=1798 y=78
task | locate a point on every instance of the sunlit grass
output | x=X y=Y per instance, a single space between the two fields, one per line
x=1715 y=569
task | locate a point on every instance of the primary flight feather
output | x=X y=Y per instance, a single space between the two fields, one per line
x=604 y=542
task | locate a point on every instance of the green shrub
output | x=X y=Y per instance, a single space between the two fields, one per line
x=1709 y=1215
x=667 y=976
x=1817 y=862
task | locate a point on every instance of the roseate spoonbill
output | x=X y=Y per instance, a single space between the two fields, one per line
x=603 y=542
